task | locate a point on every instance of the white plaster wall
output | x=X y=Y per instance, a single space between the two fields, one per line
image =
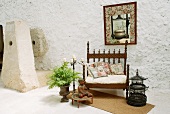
x=69 y=24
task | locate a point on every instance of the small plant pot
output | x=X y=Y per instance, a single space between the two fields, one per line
x=64 y=91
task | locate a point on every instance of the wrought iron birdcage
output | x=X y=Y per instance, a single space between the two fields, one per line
x=137 y=90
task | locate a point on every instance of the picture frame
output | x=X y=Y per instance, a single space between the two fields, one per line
x=120 y=23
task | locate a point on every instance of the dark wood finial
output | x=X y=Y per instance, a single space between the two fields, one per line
x=114 y=51
x=119 y=51
x=88 y=47
x=94 y=51
x=109 y=51
x=99 y=51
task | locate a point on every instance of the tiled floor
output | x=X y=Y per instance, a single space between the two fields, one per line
x=45 y=101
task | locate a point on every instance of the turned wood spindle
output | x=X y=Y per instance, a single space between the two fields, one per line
x=109 y=58
x=104 y=53
x=87 y=51
x=94 y=53
x=119 y=58
x=99 y=53
x=114 y=58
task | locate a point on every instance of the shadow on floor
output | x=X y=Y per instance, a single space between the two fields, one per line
x=51 y=99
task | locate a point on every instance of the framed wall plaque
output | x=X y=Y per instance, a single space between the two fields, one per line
x=120 y=22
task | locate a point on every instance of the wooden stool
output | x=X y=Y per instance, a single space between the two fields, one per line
x=75 y=97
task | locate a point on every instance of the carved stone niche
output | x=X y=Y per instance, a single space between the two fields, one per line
x=1 y=45
x=39 y=43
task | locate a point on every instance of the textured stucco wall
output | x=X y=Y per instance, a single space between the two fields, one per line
x=69 y=24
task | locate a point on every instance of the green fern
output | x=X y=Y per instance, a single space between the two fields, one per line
x=62 y=76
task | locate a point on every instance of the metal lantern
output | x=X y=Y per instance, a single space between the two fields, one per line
x=119 y=26
x=137 y=90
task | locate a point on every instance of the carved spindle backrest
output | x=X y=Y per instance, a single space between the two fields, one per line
x=110 y=57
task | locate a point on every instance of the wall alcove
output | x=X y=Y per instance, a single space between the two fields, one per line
x=1 y=46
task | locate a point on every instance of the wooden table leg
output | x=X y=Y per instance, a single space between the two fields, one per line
x=72 y=101
x=78 y=103
x=92 y=100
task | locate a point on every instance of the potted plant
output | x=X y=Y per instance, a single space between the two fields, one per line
x=62 y=76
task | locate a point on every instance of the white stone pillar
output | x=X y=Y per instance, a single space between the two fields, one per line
x=18 y=71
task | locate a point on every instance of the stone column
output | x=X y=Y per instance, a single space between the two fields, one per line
x=18 y=70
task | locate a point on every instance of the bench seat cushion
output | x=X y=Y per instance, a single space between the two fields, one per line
x=111 y=79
